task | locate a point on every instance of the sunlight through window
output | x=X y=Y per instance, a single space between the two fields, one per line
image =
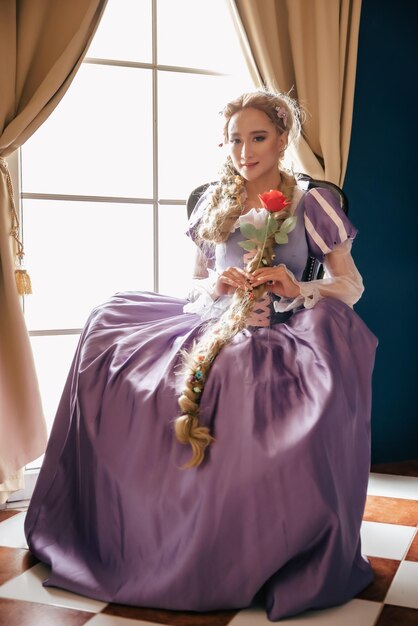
x=106 y=178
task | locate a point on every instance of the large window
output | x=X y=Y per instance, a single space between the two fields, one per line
x=105 y=179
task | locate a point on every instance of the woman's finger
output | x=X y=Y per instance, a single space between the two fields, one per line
x=235 y=278
x=277 y=272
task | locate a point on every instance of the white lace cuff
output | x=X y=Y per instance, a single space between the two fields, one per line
x=201 y=301
x=309 y=296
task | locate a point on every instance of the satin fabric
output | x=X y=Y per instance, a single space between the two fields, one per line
x=274 y=512
x=276 y=506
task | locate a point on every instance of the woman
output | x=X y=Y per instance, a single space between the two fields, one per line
x=274 y=400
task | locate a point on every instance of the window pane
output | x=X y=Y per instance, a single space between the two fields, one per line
x=53 y=357
x=176 y=251
x=81 y=253
x=204 y=35
x=124 y=32
x=190 y=130
x=98 y=141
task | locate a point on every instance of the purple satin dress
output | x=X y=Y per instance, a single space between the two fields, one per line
x=273 y=513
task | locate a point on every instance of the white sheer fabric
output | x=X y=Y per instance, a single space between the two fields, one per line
x=201 y=299
x=342 y=281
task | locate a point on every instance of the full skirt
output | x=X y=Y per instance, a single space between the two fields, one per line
x=273 y=513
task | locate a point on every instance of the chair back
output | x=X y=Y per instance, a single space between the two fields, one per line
x=194 y=197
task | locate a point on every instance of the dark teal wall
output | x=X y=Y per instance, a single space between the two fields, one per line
x=382 y=186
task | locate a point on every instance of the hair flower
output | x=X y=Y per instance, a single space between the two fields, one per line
x=282 y=114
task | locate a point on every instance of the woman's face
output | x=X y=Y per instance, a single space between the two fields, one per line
x=254 y=144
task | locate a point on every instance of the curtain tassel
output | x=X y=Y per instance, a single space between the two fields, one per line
x=23 y=283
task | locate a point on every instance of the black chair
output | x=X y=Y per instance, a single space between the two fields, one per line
x=313 y=269
x=194 y=197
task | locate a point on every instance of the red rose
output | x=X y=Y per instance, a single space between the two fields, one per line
x=273 y=200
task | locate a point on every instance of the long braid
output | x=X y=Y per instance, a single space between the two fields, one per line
x=227 y=198
x=226 y=205
x=198 y=361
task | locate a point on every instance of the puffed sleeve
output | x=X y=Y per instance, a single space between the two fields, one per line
x=201 y=298
x=326 y=224
x=192 y=230
x=329 y=234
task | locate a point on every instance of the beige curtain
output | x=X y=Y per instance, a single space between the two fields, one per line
x=310 y=48
x=42 y=44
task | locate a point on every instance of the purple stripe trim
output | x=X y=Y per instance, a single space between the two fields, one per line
x=323 y=224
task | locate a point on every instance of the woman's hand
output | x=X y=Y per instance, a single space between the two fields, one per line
x=279 y=281
x=231 y=279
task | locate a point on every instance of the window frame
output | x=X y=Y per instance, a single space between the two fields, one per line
x=15 y=163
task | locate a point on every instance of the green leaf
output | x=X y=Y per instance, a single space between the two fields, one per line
x=272 y=226
x=247 y=245
x=289 y=224
x=262 y=233
x=281 y=237
x=248 y=230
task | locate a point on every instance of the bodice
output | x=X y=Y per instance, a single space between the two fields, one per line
x=293 y=254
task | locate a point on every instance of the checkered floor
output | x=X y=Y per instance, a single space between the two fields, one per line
x=389 y=535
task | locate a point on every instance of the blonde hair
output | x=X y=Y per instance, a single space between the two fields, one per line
x=225 y=206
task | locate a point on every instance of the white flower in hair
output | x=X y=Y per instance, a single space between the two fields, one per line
x=282 y=114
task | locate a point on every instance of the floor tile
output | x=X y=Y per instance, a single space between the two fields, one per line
x=391 y=510
x=14 y=561
x=404 y=588
x=112 y=620
x=393 y=486
x=385 y=540
x=5 y=514
x=389 y=531
x=397 y=616
x=171 y=618
x=18 y=505
x=12 y=533
x=28 y=586
x=384 y=572
x=358 y=612
x=403 y=468
x=412 y=554
x=32 y=614
x=251 y=617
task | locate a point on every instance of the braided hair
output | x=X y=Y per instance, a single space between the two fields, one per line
x=225 y=206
